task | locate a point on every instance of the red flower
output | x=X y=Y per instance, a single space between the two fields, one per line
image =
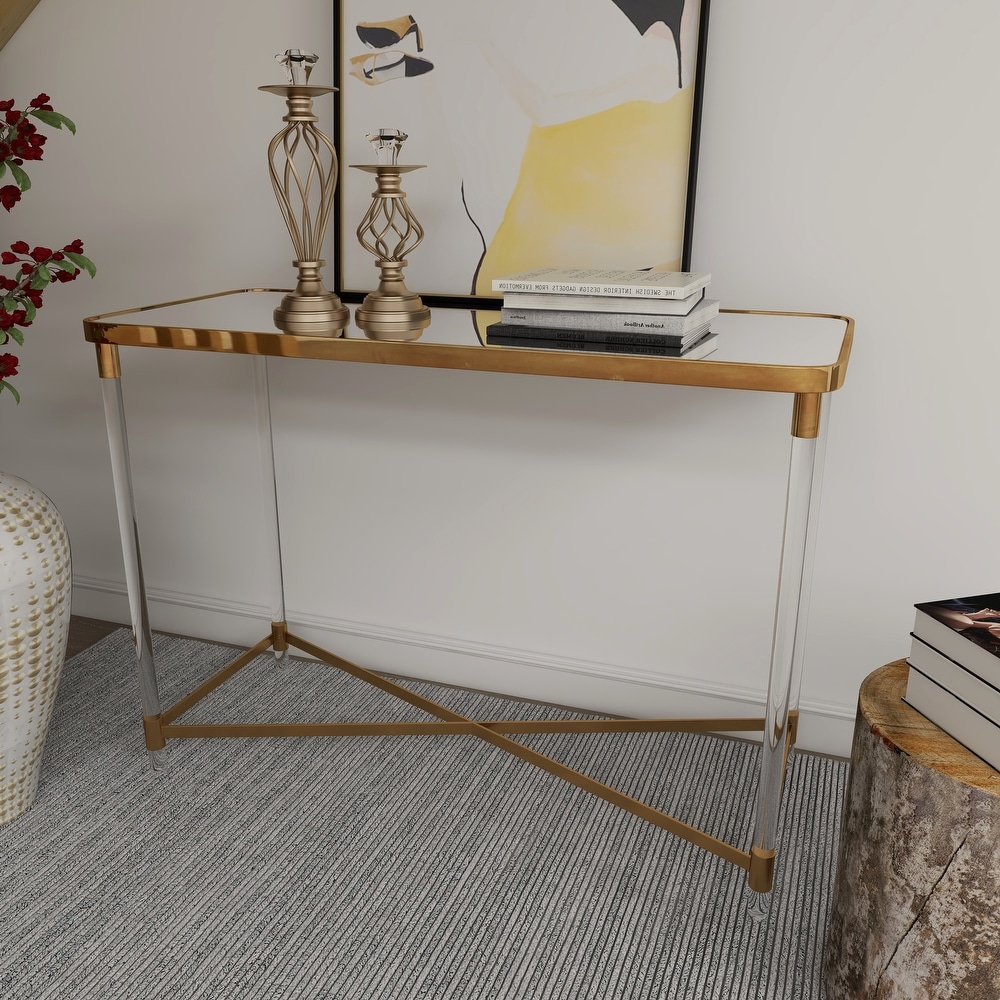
x=28 y=147
x=21 y=140
x=10 y=195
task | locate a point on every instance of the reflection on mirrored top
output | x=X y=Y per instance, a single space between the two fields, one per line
x=783 y=352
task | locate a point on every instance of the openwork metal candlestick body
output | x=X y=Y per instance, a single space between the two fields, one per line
x=390 y=231
x=305 y=196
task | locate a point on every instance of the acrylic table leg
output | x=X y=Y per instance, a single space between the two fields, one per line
x=788 y=639
x=114 y=415
x=269 y=501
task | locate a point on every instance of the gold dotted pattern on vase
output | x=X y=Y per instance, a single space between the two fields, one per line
x=36 y=581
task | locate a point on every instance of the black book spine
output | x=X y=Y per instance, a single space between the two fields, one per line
x=509 y=331
x=651 y=350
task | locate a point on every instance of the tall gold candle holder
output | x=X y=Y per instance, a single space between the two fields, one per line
x=305 y=197
x=390 y=231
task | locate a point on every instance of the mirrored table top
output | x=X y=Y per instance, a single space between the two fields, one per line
x=765 y=351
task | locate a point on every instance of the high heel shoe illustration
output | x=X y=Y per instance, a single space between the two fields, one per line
x=382 y=66
x=382 y=34
x=645 y=13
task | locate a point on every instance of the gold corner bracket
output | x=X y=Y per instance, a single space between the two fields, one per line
x=109 y=362
x=806 y=414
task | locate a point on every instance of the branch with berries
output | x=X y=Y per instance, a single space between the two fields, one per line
x=20 y=140
x=22 y=293
x=37 y=267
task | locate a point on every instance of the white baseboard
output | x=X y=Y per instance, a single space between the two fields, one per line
x=574 y=682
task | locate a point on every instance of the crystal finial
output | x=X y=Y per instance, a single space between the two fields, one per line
x=387 y=142
x=298 y=64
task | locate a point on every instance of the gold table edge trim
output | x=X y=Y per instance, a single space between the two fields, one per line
x=102 y=329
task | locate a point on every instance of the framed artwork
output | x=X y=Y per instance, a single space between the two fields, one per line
x=551 y=134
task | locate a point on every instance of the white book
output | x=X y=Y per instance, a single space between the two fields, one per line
x=946 y=626
x=677 y=327
x=960 y=721
x=598 y=281
x=602 y=303
x=954 y=678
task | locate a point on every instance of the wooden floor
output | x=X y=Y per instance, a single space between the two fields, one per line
x=84 y=632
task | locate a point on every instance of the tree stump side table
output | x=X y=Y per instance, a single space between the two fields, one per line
x=916 y=906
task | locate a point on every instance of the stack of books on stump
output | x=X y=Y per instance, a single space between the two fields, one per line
x=657 y=313
x=954 y=670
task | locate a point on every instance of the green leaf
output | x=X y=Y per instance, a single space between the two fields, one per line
x=17 y=336
x=82 y=262
x=3 y=167
x=6 y=385
x=41 y=277
x=20 y=176
x=9 y=303
x=30 y=311
x=53 y=118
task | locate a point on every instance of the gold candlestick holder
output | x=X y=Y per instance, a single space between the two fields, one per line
x=305 y=197
x=389 y=231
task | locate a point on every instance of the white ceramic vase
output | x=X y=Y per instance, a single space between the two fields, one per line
x=35 y=594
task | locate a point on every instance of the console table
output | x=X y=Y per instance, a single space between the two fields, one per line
x=802 y=354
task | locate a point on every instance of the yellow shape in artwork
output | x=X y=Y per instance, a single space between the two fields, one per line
x=608 y=190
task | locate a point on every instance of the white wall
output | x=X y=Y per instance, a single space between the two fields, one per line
x=599 y=545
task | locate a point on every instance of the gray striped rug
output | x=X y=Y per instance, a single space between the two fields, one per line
x=390 y=867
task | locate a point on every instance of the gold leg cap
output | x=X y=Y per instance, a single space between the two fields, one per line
x=279 y=636
x=761 y=869
x=154 y=734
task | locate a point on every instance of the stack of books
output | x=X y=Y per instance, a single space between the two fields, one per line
x=954 y=670
x=658 y=313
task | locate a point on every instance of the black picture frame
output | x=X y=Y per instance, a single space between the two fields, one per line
x=404 y=50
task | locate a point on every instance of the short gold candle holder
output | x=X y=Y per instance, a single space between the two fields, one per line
x=305 y=197
x=389 y=231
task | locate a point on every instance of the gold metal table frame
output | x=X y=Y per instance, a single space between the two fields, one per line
x=802 y=354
